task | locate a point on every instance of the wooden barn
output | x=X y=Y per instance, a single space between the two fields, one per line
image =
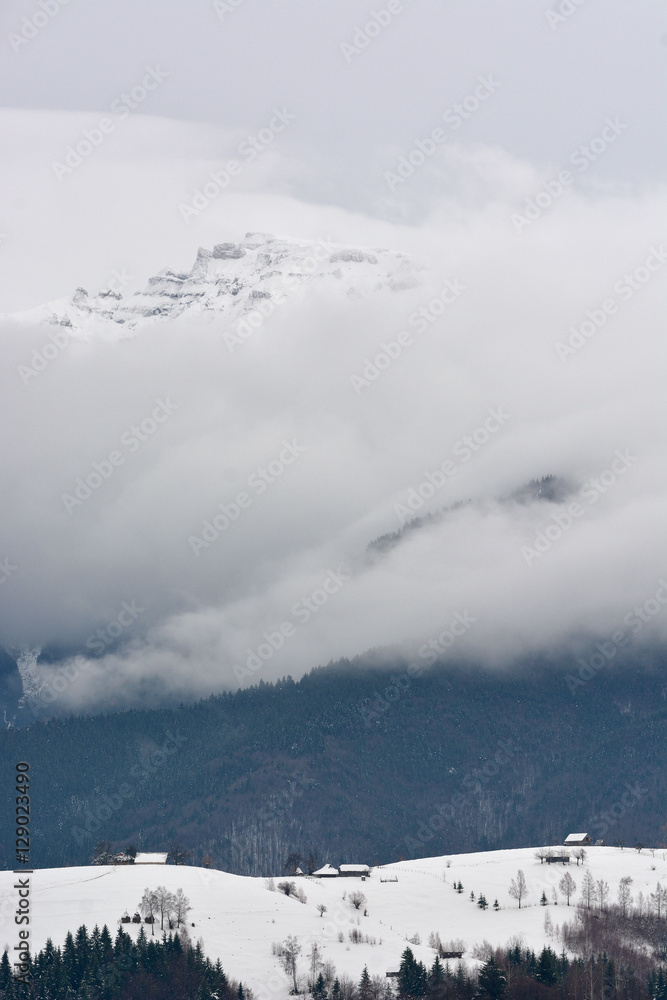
x=328 y=871
x=578 y=840
x=354 y=871
x=150 y=859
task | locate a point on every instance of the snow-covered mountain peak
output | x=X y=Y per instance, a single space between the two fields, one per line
x=231 y=278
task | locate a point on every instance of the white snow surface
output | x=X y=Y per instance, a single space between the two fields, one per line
x=231 y=280
x=238 y=918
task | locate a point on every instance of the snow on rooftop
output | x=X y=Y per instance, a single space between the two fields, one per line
x=326 y=870
x=150 y=859
x=238 y=918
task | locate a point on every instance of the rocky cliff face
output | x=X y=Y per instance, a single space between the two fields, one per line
x=233 y=279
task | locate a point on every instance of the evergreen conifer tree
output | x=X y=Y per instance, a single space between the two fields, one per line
x=365 y=989
x=412 y=977
x=5 y=971
x=436 y=979
x=491 y=982
x=547 y=971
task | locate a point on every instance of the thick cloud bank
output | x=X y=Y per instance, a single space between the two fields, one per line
x=181 y=515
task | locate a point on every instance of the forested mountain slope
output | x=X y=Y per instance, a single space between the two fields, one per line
x=357 y=765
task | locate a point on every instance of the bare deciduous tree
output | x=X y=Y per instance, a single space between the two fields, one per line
x=290 y=955
x=321 y=909
x=518 y=889
x=148 y=907
x=567 y=886
x=589 y=893
x=181 y=906
x=315 y=962
x=165 y=903
x=357 y=899
x=659 y=900
x=603 y=893
x=289 y=888
x=624 y=894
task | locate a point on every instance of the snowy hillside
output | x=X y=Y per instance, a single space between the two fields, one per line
x=235 y=279
x=238 y=918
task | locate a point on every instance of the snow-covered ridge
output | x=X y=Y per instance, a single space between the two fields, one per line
x=238 y=918
x=232 y=279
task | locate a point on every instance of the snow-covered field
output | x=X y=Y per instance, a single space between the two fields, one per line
x=239 y=918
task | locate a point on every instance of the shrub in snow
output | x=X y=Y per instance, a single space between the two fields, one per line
x=483 y=951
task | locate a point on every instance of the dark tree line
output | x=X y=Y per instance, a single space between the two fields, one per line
x=256 y=774
x=90 y=966
x=516 y=974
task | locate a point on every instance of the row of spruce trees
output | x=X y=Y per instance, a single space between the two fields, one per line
x=516 y=974
x=93 y=967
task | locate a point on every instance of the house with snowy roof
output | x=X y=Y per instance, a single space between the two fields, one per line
x=354 y=871
x=328 y=871
x=151 y=859
x=577 y=840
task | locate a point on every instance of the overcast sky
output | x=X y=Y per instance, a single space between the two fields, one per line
x=546 y=91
